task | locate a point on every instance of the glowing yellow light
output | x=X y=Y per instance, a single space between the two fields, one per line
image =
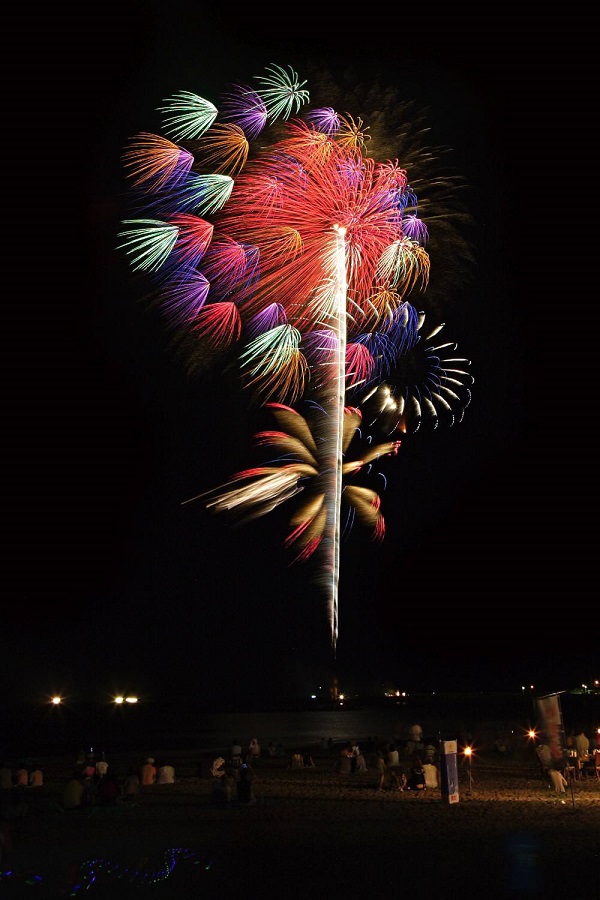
x=531 y=733
x=468 y=751
x=131 y=699
x=56 y=700
x=119 y=699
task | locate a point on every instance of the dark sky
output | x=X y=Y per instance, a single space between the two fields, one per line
x=486 y=562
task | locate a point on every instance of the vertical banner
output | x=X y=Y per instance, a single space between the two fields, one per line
x=449 y=770
x=552 y=723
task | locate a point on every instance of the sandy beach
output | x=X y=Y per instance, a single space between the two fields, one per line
x=312 y=833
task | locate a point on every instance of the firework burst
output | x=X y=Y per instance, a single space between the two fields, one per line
x=303 y=255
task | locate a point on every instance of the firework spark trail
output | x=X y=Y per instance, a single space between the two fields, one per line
x=307 y=253
x=334 y=440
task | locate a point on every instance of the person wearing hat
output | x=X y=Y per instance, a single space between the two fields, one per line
x=148 y=772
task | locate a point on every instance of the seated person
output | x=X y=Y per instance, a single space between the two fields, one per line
x=165 y=774
x=221 y=790
x=416 y=778
x=217 y=770
x=430 y=751
x=36 y=776
x=108 y=790
x=344 y=763
x=148 y=772
x=398 y=779
x=431 y=775
x=73 y=795
x=393 y=757
x=21 y=775
x=131 y=785
x=360 y=764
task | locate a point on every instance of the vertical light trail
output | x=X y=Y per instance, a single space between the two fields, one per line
x=337 y=430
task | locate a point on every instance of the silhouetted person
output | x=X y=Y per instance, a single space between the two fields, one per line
x=244 y=785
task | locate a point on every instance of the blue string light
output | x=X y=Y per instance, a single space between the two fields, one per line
x=92 y=870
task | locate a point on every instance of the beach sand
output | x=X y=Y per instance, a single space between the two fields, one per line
x=313 y=833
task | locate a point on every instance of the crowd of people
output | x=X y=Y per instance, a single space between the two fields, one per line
x=408 y=765
x=411 y=765
x=580 y=758
x=20 y=775
x=94 y=782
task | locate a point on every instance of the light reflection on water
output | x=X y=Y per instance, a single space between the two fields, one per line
x=218 y=731
x=291 y=728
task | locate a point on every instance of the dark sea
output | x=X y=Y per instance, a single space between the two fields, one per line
x=30 y=730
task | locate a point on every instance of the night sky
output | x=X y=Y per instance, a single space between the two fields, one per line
x=116 y=585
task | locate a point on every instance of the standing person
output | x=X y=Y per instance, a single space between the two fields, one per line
x=148 y=772
x=254 y=750
x=245 y=785
x=380 y=768
x=235 y=753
